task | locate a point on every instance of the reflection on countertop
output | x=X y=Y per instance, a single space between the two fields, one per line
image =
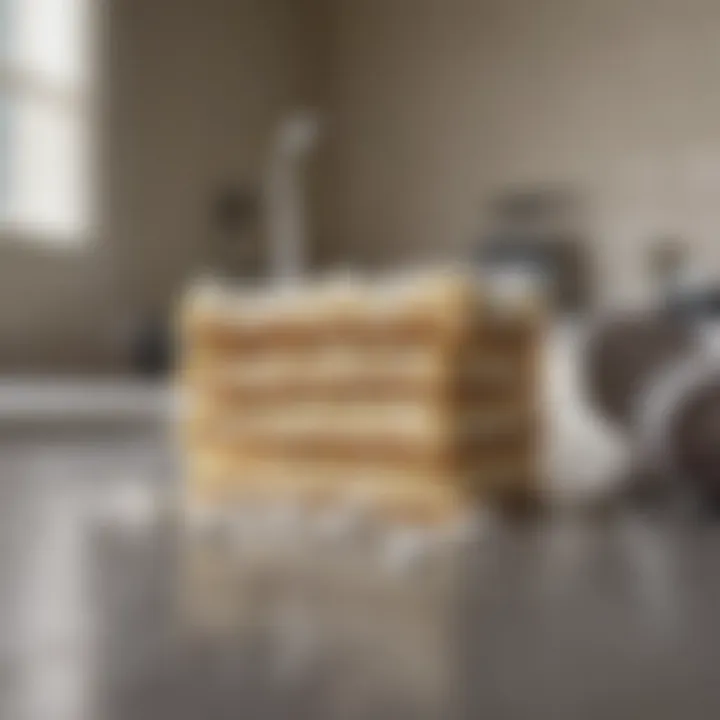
x=109 y=610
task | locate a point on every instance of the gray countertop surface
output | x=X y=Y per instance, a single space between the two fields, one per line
x=107 y=611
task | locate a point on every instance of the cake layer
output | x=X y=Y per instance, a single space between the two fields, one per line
x=456 y=394
x=413 y=334
x=409 y=495
x=367 y=374
x=394 y=424
x=417 y=460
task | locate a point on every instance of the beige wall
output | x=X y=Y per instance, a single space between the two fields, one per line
x=204 y=86
x=438 y=103
x=431 y=106
x=193 y=92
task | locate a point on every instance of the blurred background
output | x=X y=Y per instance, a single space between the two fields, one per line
x=124 y=122
x=146 y=143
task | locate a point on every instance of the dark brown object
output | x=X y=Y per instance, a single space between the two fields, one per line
x=624 y=353
x=695 y=434
x=234 y=240
x=541 y=229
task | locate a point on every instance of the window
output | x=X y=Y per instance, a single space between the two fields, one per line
x=45 y=119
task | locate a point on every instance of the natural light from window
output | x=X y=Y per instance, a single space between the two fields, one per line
x=45 y=120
